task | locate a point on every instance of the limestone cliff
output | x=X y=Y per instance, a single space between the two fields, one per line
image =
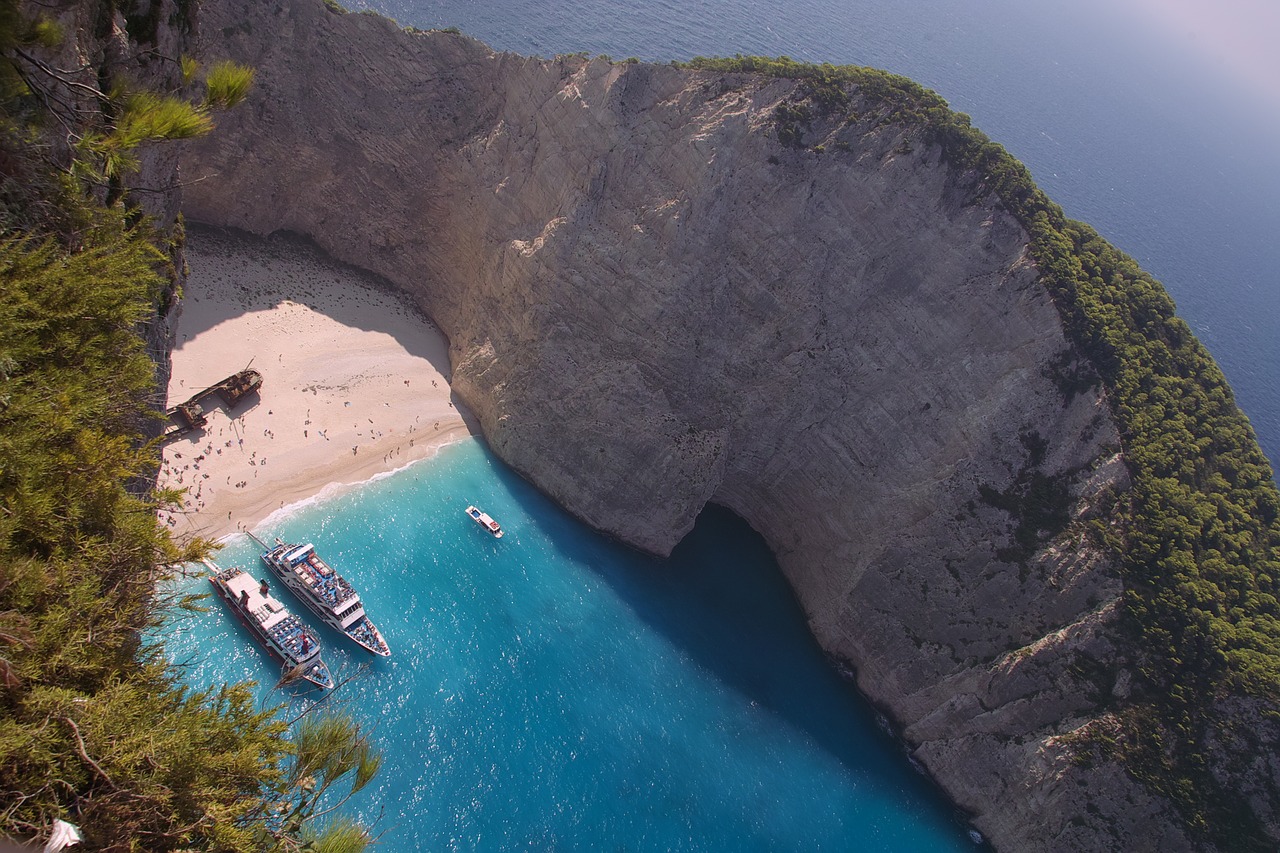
x=654 y=303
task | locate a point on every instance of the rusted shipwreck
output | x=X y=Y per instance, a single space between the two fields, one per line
x=189 y=416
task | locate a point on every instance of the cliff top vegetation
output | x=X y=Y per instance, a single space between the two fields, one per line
x=1197 y=537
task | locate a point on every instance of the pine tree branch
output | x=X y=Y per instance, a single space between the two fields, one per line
x=84 y=754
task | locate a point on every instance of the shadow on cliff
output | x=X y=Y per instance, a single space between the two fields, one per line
x=723 y=602
x=301 y=264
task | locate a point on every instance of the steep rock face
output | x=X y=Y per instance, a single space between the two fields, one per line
x=652 y=304
x=99 y=48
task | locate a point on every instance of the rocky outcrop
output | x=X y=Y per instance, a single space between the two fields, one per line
x=136 y=47
x=654 y=303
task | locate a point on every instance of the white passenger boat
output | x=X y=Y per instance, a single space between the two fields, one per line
x=483 y=519
x=282 y=633
x=325 y=592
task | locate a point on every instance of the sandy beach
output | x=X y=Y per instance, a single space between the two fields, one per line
x=355 y=382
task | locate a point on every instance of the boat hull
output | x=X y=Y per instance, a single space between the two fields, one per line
x=485 y=521
x=286 y=628
x=343 y=614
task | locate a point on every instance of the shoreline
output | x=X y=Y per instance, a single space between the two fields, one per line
x=355 y=382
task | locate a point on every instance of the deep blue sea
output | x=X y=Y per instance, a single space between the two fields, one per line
x=1155 y=121
x=555 y=690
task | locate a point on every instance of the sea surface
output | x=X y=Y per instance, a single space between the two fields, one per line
x=555 y=690
x=1155 y=121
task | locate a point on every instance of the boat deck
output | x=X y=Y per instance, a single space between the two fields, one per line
x=324 y=591
x=317 y=575
x=486 y=521
x=269 y=612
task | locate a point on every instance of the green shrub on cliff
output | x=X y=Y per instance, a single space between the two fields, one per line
x=1200 y=550
x=1203 y=489
x=829 y=87
x=94 y=725
x=1199 y=542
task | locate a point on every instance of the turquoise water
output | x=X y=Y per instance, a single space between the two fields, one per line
x=554 y=690
x=1155 y=125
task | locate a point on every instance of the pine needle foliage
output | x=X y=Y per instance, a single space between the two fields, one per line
x=190 y=67
x=103 y=115
x=68 y=334
x=342 y=836
x=95 y=726
x=227 y=84
x=20 y=31
x=89 y=729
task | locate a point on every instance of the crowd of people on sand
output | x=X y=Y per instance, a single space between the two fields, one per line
x=172 y=474
x=182 y=471
x=244 y=301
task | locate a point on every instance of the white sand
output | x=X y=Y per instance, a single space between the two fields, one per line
x=354 y=382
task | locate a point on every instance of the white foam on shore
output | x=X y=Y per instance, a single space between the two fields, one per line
x=331 y=491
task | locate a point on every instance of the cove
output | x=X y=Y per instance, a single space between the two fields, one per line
x=554 y=689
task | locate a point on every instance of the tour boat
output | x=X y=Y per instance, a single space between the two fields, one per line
x=483 y=519
x=325 y=592
x=282 y=633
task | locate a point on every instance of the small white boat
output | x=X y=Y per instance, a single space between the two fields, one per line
x=325 y=592
x=282 y=633
x=483 y=519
